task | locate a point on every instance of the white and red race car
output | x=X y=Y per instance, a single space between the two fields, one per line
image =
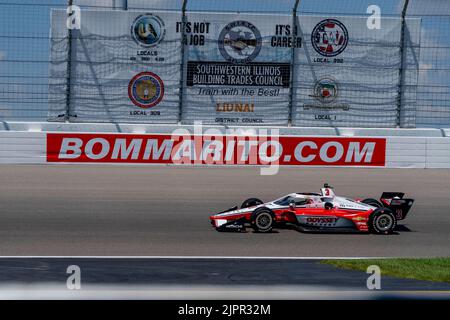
x=317 y=212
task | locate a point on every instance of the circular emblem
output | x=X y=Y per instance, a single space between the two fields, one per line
x=326 y=90
x=146 y=90
x=329 y=38
x=148 y=30
x=240 y=42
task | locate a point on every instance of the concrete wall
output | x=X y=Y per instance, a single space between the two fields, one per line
x=22 y=147
x=19 y=147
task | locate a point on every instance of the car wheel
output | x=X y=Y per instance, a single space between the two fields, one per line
x=251 y=203
x=373 y=203
x=262 y=220
x=382 y=221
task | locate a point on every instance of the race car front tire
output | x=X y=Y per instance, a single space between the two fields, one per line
x=373 y=202
x=382 y=221
x=251 y=203
x=262 y=220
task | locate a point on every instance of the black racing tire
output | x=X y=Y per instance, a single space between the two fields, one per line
x=382 y=221
x=251 y=203
x=262 y=220
x=373 y=202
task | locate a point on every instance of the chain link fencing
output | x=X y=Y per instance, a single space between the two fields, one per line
x=252 y=62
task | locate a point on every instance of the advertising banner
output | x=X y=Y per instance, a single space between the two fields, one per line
x=233 y=69
x=215 y=150
x=347 y=74
x=155 y=149
x=125 y=66
x=238 y=69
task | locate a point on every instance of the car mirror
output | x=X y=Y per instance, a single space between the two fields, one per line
x=328 y=206
x=292 y=205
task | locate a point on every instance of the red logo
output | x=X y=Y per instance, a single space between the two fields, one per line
x=329 y=38
x=146 y=90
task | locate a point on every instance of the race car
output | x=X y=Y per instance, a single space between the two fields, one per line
x=317 y=212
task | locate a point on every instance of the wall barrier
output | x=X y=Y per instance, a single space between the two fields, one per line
x=385 y=152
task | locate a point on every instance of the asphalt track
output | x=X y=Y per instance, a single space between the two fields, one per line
x=163 y=211
x=223 y=273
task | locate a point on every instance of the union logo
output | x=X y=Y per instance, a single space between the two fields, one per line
x=240 y=42
x=146 y=90
x=148 y=30
x=329 y=38
x=326 y=90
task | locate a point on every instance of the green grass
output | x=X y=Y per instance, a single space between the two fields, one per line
x=435 y=269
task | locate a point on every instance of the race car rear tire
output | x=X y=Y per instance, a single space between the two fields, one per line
x=262 y=220
x=373 y=202
x=382 y=221
x=251 y=203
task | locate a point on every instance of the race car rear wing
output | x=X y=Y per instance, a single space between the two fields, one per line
x=395 y=201
x=392 y=195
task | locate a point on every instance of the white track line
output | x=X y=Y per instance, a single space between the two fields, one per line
x=190 y=257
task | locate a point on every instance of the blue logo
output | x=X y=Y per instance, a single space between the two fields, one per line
x=240 y=42
x=148 y=30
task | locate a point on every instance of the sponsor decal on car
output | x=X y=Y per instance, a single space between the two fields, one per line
x=215 y=150
x=399 y=213
x=321 y=220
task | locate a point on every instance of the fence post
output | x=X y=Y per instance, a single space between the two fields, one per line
x=69 y=68
x=294 y=38
x=402 y=65
x=122 y=5
x=183 y=60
